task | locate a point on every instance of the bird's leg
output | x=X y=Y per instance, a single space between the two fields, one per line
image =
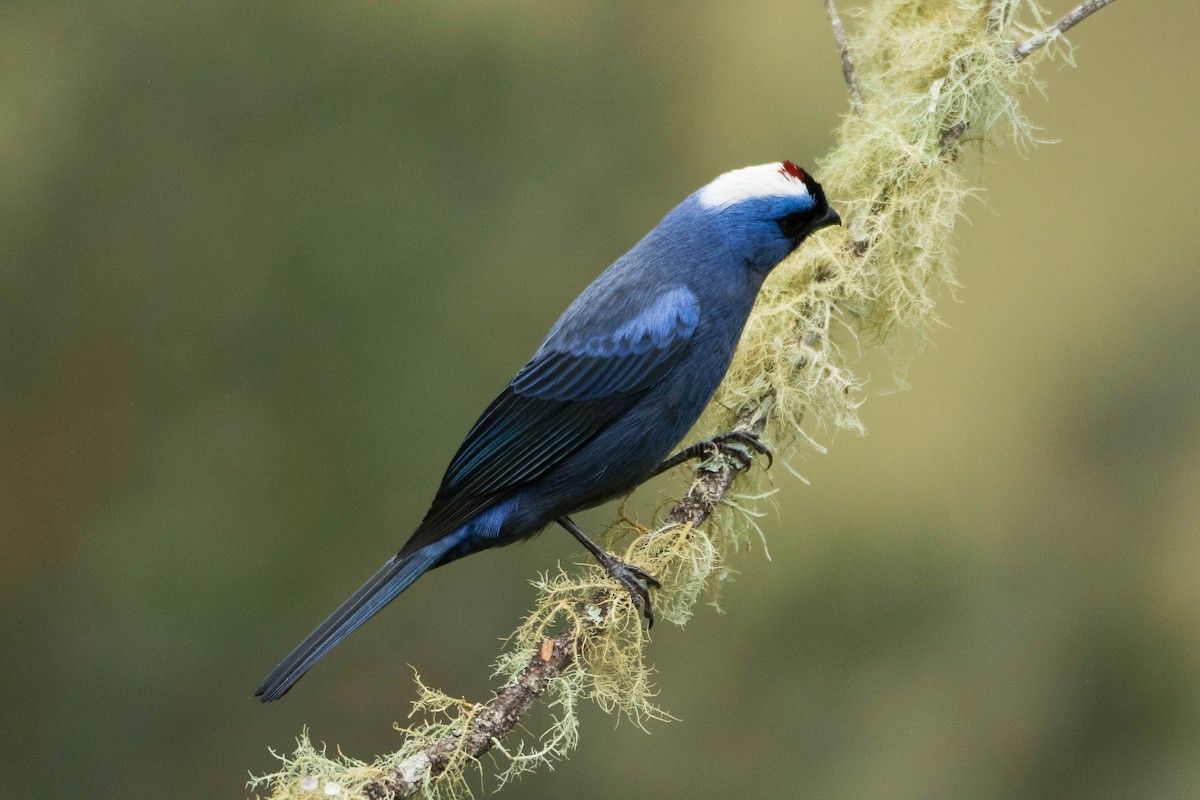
x=635 y=580
x=736 y=444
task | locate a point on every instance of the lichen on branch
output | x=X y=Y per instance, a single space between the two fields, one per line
x=932 y=76
x=927 y=72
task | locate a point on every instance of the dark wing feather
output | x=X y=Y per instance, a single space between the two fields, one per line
x=585 y=377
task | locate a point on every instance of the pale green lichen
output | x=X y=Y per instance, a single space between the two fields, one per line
x=311 y=773
x=926 y=68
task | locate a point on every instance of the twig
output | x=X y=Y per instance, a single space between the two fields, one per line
x=839 y=34
x=1068 y=21
x=502 y=714
x=995 y=17
x=1025 y=49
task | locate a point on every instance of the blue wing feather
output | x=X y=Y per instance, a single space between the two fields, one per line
x=586 y=375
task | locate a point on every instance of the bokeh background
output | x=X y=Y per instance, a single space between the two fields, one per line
x=261 y=265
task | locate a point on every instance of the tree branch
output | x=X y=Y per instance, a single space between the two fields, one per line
x=839 y=35
x=485 y=725
x=1068 y=21
x=498 y=717
x=490 y=723
x=495 y=719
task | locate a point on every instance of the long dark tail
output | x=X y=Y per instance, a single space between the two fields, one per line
x=395 y=576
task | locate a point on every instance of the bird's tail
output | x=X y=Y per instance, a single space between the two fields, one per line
x=395 y=576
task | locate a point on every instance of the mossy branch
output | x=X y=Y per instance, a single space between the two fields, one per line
x=920 y=76
x=555 y=654
x=1064 y=24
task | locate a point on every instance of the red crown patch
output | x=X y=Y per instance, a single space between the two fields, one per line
x=791 y=169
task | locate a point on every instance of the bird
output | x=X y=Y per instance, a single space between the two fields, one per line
x=615 y=386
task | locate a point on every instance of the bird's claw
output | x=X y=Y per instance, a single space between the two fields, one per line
x=734 y=445
x=636 y=581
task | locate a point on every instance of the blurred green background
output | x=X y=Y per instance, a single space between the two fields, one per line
x=261 y=265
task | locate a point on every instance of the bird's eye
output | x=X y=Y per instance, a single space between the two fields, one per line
x=794 y=224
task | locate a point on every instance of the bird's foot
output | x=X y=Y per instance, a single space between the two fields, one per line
x=735 y=445
x=738 y=444
x=635 y=580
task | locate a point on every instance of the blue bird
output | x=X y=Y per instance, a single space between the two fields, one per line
x=618 y=382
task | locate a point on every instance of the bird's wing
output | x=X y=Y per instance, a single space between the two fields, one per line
x=585 y=376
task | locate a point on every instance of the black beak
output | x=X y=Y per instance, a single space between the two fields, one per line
x=829 y=217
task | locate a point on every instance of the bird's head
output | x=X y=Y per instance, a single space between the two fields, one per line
x=763 y=213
